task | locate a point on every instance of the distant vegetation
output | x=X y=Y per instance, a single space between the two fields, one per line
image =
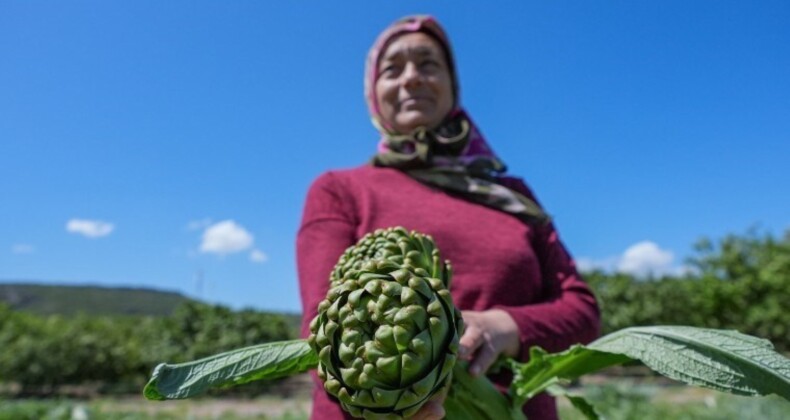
x=742 y=283
x=110 y=339
x=91 y=300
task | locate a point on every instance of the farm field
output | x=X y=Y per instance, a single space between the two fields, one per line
x=618 y=399
x=97 y=362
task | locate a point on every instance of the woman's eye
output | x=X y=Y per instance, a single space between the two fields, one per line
x=389 y=70
x=429 y=64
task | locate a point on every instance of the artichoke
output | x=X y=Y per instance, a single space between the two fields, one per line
x=387 y=333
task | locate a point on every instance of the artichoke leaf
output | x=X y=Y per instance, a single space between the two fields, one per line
x=265 y=361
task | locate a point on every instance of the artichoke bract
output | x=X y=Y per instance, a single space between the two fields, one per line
x=387 y=333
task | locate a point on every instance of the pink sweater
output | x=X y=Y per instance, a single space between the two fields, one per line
x=498 y=261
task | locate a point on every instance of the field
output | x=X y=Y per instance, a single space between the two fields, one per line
x=50 y=343
x=616 y=399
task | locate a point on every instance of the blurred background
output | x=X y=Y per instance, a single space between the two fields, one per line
x=154 y=159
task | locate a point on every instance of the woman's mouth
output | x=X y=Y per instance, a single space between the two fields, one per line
x=418 y=100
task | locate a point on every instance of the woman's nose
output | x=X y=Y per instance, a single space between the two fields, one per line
x=411 y=75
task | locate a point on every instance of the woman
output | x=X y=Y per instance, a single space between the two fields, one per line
x=434 y=173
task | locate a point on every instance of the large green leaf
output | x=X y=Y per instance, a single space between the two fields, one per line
x=723 y=360
x=264 y=361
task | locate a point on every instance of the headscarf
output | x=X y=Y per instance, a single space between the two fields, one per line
x=453 y=156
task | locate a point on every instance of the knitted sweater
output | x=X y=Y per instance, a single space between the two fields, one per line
x=498 y=261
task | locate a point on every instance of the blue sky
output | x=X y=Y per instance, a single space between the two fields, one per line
x=143 y=142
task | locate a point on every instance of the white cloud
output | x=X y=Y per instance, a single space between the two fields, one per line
x=256 y=255
x=199 y=224
x=22 y=249
x=641 y=259
x=226 y=237
x=646 y=258
x=89 y=228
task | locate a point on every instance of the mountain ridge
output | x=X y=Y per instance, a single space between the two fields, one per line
x=50 y=299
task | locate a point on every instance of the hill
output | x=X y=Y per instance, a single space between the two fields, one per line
x=95 y=300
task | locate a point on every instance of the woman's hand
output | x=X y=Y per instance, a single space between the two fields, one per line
x=487 y=335
x=433 y=409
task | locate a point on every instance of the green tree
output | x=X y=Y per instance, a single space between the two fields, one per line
x=741 y=282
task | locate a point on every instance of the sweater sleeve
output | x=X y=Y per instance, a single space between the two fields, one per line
x=327 y=229
x=569 y=312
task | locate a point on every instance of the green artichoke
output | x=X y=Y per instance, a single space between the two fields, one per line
x=387 y=333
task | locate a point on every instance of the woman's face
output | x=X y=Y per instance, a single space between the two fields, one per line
x=414 y=87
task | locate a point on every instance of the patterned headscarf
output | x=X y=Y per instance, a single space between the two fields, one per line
x=453 y=156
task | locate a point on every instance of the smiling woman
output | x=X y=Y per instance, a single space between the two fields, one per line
x=414 y=84
x=435 y=173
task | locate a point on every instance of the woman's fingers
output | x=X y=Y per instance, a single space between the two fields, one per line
x=488 y=334
x=433 y=409
x=470 y=341
x=486 y=355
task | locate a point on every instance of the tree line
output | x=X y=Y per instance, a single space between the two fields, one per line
x=41 y=353
x=741 y=282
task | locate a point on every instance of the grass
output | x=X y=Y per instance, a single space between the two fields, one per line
x=266 y=408
x=625 y=400
x=616 y=400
